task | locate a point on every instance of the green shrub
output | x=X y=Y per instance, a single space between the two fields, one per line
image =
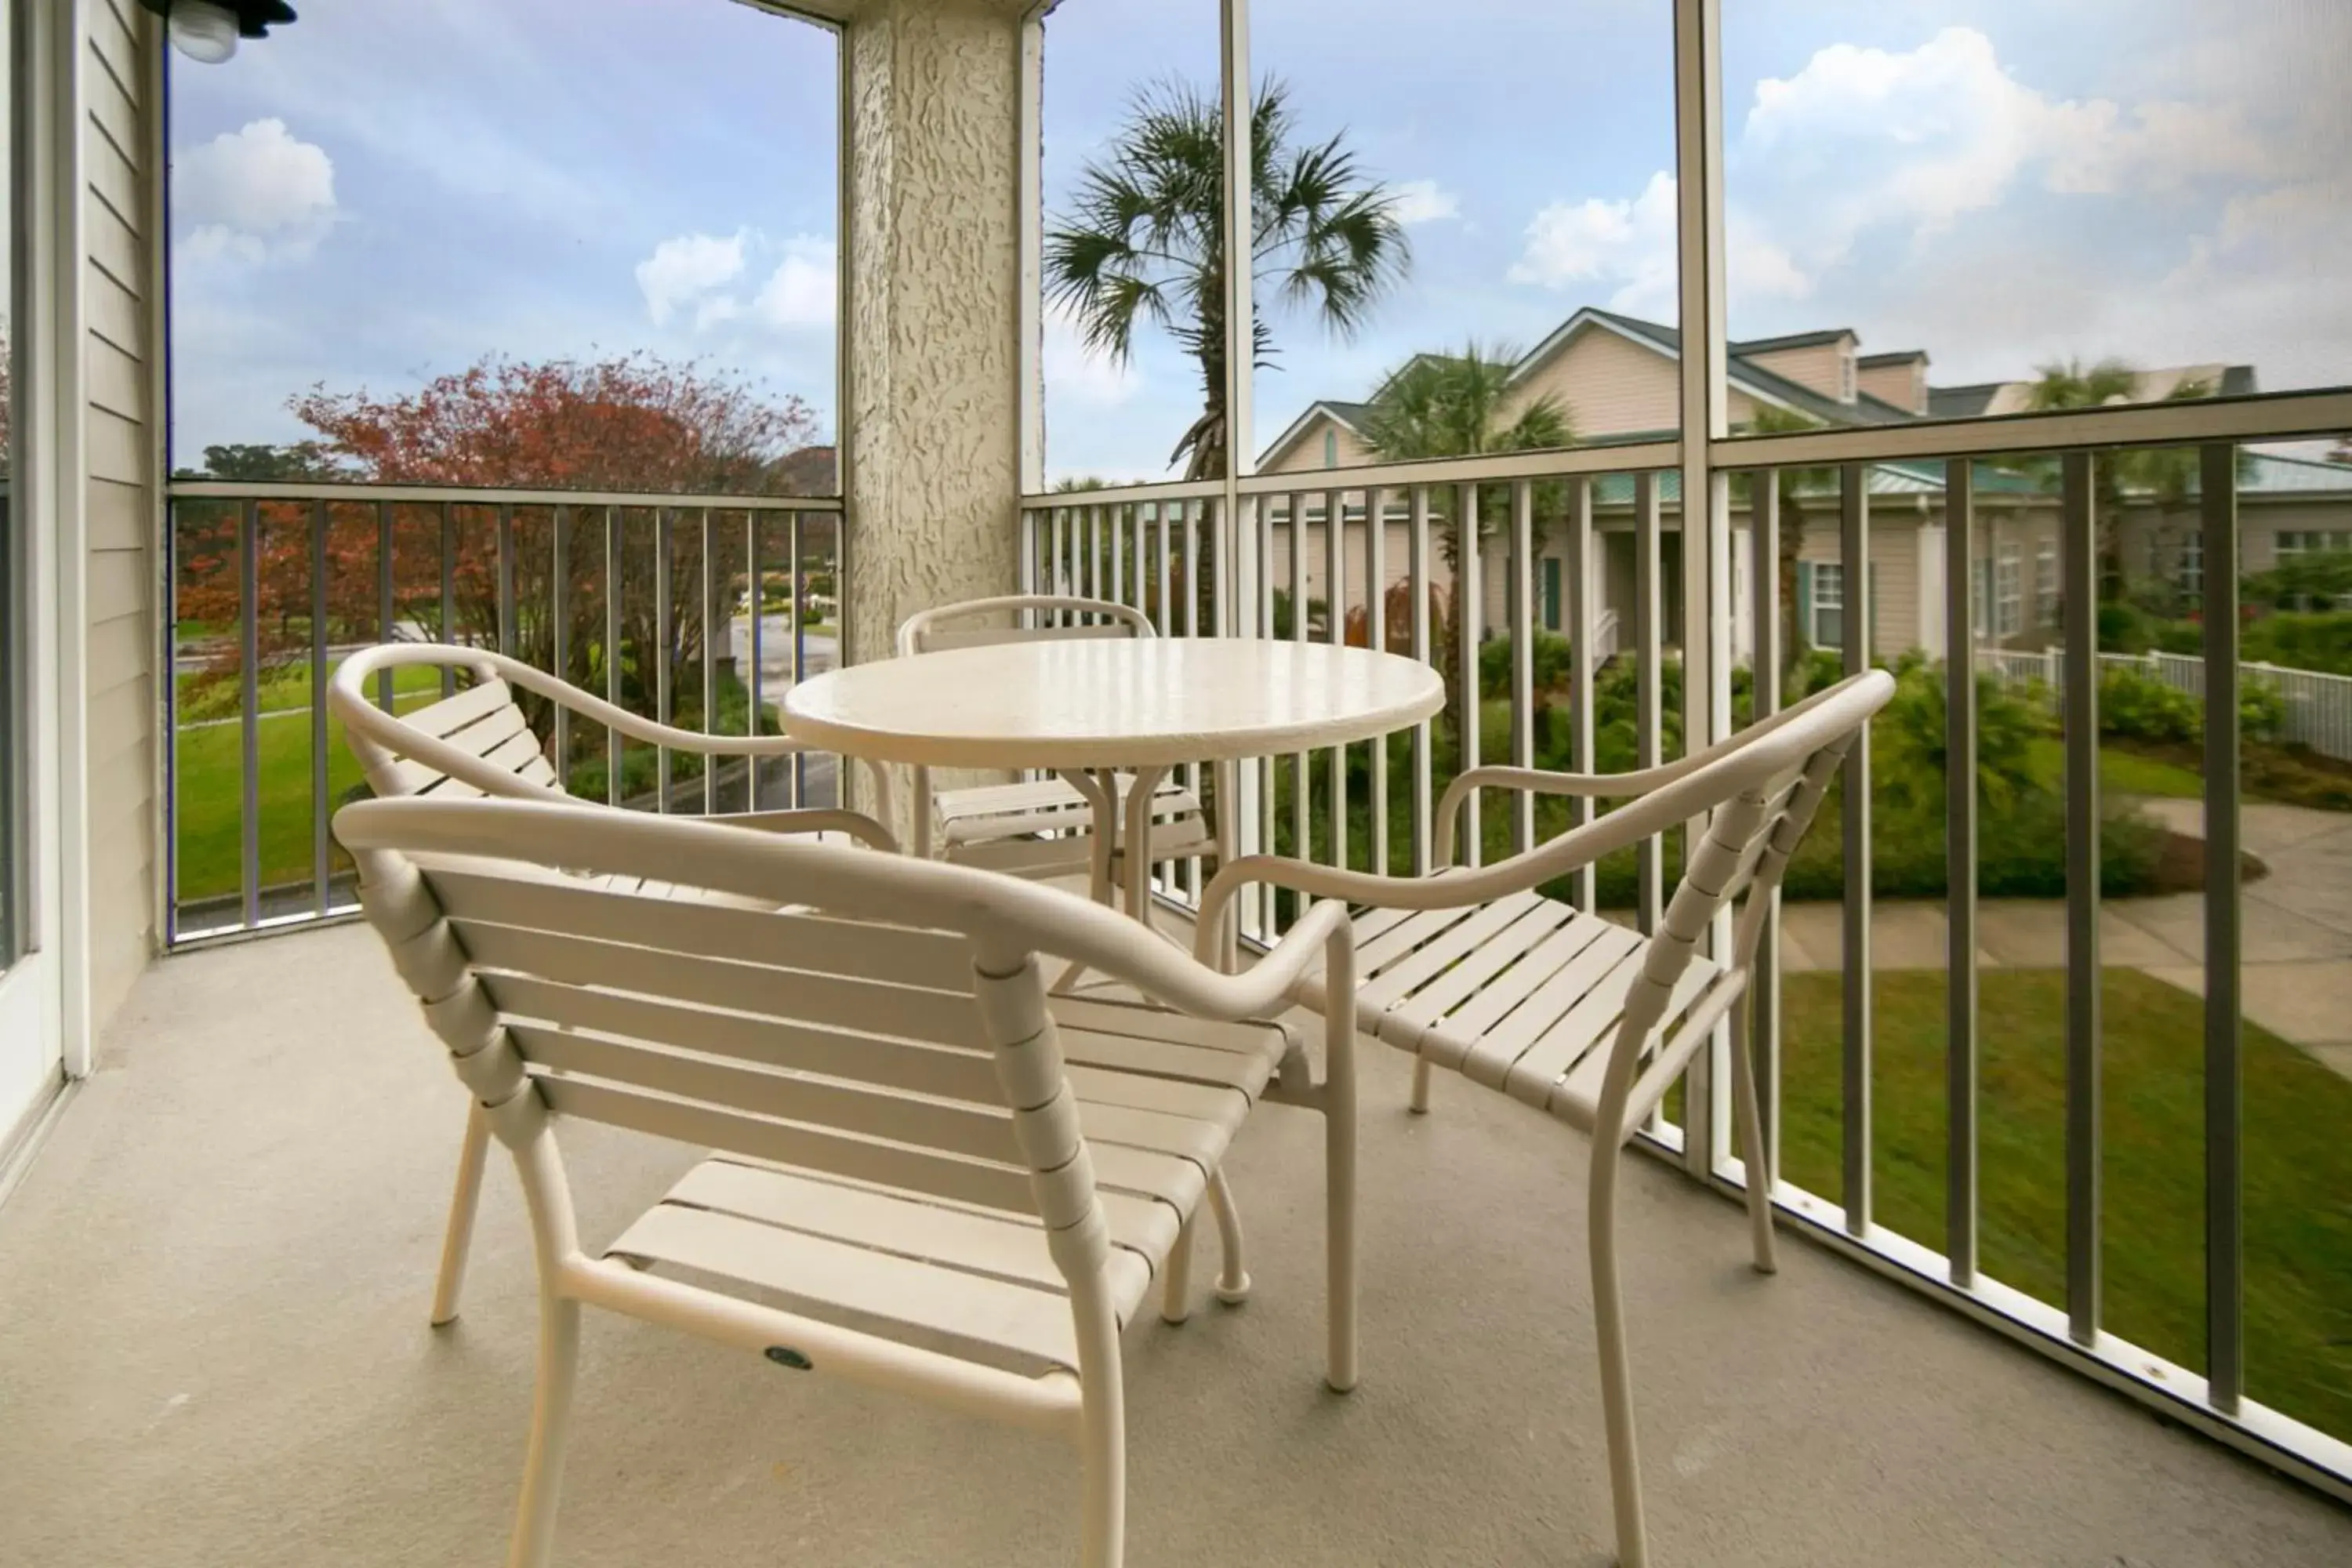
x=2302 y=641
x=2261 y=708
x=1553 y=661
x=2139 y=707
x=2181 y=636
x=2125 y=628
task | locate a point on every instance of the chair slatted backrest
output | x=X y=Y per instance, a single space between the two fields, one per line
x=986 y=623
x=1743 y=855
x=486 y=723
x=836 y=1046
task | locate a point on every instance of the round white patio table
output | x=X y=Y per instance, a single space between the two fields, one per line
x=1084 y=707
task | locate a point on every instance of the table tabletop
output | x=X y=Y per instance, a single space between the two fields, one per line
x=1064 y=703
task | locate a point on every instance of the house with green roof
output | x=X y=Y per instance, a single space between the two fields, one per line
x=1617 y=378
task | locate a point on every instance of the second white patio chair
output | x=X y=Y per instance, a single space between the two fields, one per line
x=478 y=743
x=1044 y=828
x=1574 y=1015
x=929 y=1180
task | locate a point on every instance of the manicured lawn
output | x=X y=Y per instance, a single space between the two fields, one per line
x=2123 y=773
x=208 y=811
x=279 y=688
x=2297 y=1146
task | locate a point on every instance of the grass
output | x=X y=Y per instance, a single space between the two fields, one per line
x=207 y=813
x=277 y=689
x=2298 y=1143
x=2123 y=773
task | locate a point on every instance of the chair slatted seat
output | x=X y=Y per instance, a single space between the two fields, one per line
x=1038 y=827
x=1570 y=1012
x=927 y=1174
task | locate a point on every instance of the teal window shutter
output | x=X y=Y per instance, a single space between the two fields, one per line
x=1805 y=600
x=1551 y=593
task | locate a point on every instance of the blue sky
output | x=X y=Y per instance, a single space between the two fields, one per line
x=384 y=192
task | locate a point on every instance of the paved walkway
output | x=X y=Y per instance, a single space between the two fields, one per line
x=2297 y=941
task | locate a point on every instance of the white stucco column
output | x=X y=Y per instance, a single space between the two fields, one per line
x=930 y=339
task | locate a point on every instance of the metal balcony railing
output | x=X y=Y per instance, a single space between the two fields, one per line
x=694 y=610
x=1454 y=563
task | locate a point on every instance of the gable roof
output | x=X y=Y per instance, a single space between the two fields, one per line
x=1753 y=379
x=1789 y=341
x=1897 y=356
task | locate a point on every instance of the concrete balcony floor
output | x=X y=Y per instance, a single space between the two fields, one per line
x=212 y=1350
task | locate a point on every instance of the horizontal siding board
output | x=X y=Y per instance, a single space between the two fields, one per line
x=118 y=516
x=118 y=651
x=112 y=173
x=114 y=247
x=118 y=448
x=116 y=314
x=121 y=717
x=117 y=381
x=117 y=46
x=118 y=584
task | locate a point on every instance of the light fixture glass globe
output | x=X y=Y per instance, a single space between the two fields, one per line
x=204 y=32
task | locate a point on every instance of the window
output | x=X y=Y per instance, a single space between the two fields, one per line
x=2191 y=563
x=2313 y=542
x=1330 y=448
x=2008 y=592
x=1980 y=597
x=2045 y=583
x=1828 y=627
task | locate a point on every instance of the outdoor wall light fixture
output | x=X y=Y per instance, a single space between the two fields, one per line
x=206 y=31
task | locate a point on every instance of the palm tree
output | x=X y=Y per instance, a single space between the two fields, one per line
x=1144 y=240
x=2167 y=475
x=1454 y=406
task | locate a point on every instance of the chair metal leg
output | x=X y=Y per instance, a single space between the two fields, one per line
x=1616 y=1369
x=1340 y=1215
x=459 y=1239
x=551 y=1428
x=1176 y=1283
x=1420 y=1101
x=1749 y=1116
x=1102 y=1516
x=1233 y=1279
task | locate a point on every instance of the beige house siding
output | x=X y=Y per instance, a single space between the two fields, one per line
x=1818 y=367
x=1904 y=386
x=118 y=503
x=1305 y=452
x=1894 y=552
x=1608 y=384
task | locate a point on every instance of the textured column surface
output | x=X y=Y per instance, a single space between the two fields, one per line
x=931 y=339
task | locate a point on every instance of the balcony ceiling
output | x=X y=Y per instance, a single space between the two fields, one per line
x=212 y=1350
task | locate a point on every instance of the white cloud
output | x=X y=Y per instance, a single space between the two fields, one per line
x=1630 y=243
x=1086 y=377
x=254 y=194
x=1422 y=201
x=804 y=289
x=686 y=268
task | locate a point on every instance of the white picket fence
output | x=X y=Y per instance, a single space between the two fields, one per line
x=2318 y=706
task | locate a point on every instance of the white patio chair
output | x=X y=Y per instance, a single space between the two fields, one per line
x=1043 y=828
x=1569 y=1013
x=478 y=743
x=930 y=1179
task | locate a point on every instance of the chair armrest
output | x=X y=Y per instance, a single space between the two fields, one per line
x=814 y=819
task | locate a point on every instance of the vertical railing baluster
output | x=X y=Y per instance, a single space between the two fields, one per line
x=1470 y=848
x=1376 y=614
x=1424 y=759
x=612 y=740
x=1584 y=628
x=1335 y=630
x=1523 y=655
x=1764 y=659
x=1857 y=608
x=1960 y=874
x=321 y=842
x=2079 y=582
x=448 y=594
x=710 y=671
x=1093 y=553
x=758 y=589
x=508 y=630
x=1194 y=574
x=248 y=597
x=2225 y=1280
x=558 y=594
x=385 y=608
x=1117 y=526
x=1059 y=556
x=1648 y=656
x=664 y=625
x=800 y=648
x=1261 y=624
x=1302 y=822
x=1166 y=617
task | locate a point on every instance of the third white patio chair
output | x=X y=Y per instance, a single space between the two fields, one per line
x=930 y=1178
x=1574 y=1015
x=1044 y=828
x=478 y=743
